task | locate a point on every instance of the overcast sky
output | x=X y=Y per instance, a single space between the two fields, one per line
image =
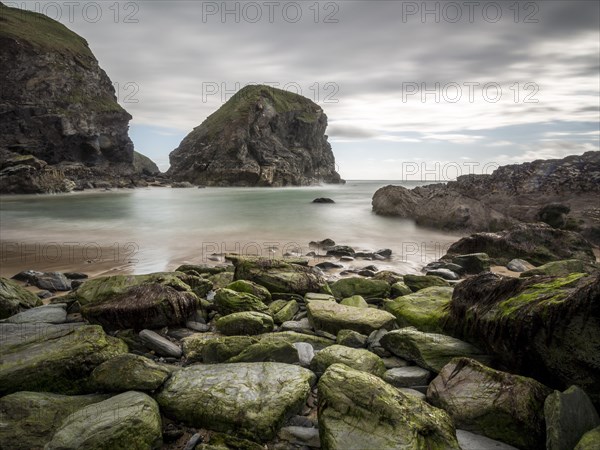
x=405 y=85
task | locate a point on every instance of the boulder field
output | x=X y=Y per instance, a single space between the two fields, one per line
x=277 y=354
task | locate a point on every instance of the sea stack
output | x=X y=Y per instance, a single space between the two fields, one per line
x=262 y=136
x=60 y=123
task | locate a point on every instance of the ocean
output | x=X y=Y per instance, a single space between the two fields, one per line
x=155 y=229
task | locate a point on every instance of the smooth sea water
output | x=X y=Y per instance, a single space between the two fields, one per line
x=154 y=229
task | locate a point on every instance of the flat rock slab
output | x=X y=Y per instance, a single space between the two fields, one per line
x=355 y=358
x=159 y=344
x=55 y=358
x=429 y=350
x=248 y=399
x=332 y=317
x=127 y=421
x=129 y=372
x=55 y=313
x=407 y=376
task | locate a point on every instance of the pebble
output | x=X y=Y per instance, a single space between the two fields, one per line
x=162 y=346
x=407 y=376
x=392 y=362
x=306 y=353
x=197 y=326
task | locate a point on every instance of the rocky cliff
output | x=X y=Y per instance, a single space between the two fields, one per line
x=561 y=192
x=261 y=137
x=60 y=123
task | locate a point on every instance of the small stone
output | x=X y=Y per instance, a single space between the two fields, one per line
x=392 y=362
x=323 y=200
x=519 y=265
x=301 y=436
x=443 y=273
x=306 y=353
x=162 y=346
x=197 y=326
x=407 y=376
x=472 y=441
x=385 y=252
x=350 y=338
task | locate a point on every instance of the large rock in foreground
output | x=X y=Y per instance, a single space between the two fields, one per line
x=538 y=243
x=496 y=404
x=29 y=419
x=127 y=421
x=248 y=399
x=514 y=193
x=544 y=327
x=54 y=358
x=261 y=137
x=359 y=411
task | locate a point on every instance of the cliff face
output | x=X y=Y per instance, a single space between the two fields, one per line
x=57 y=105
x=261 y=137
x=563 y=192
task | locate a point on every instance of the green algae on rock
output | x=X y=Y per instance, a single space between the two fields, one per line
x=358 y=410
x=425 y=310
x=129 y=372
x=347 y=287
x=53 y=358
x=418 y=282
x=499 y=405
x=249 y=400
x=128 y=421
x=544 y=327
x=358 y=359
x=14 y=298
x=245 y=323
x=333 y=317
x=228 y=302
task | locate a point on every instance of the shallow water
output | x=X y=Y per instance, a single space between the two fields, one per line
x=155 y=229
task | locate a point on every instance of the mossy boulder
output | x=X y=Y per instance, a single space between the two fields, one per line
x=203 y=269
x=284 y=311
x=590 y=440
x=228 y=302
x=569 y=415
x=267 y=350
x=358 y=359
x=250 y=400
x=425 y=310
x=333 y=317
x=279 y=276
x=389 y=276
x=128 y=421
x=498 y=405
x=538 y=243
x=399 y=288
x=561 y=268
x=138 y=301
x=221 y=280
x=129 y=372
x=358 y=410
x=29 y=419
x=214 y=348
x=14 y=298
x=473 y=263
x=250 y=287
x=52 y=358
x=547 y=328
x=417 y=282
x=245 y=323
x=429 y=350
x=356 y=300
x=367 y=288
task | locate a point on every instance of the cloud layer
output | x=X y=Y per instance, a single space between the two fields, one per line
x=398 y=80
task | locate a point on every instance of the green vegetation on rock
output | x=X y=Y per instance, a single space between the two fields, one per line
x=347 y=287
x=358 y=359
x=245 y=323
x=424 y=310
x=358 y=410
x=332 y=317
x=14 y=298
x=129 y=372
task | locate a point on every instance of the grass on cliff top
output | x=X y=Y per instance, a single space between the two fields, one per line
x=238 y=107
x=40 y=31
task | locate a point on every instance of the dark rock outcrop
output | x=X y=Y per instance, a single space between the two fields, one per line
x=538 y=243
x=261 y=137
x=60 y=123
x=516 y=193
x=547 y=328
